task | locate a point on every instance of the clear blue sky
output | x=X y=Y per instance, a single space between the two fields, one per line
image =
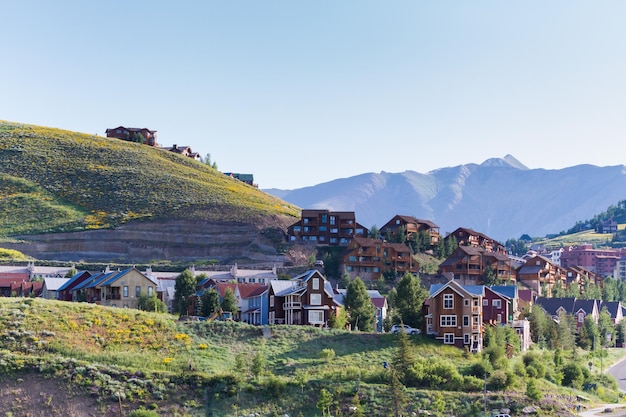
x=303 y=92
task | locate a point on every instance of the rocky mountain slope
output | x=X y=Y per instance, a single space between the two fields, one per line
x=500 y=197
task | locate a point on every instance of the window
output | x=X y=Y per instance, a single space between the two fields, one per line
x=448 y=338
x=125 y=291
x=316 y=283
x=466 y=302
x=496 y=303
x=465 y=321
x=448 y=301
x=150 y=289
x=466 y=339
x=316 y=299
x=447 y=321
x=137 y=291
x=324 y=218
x=297 y=228
x=334 y=230
x=397 y=221
x=333 y=220
x=581 y=317
x=485 y=302
x=316 y=317
x=271 y=301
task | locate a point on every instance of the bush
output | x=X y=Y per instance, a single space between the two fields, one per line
x=327 y=354
x=142 y=412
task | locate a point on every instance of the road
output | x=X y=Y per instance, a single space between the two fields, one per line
x=618 y=371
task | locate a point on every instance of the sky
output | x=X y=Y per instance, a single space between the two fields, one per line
x=299 y=93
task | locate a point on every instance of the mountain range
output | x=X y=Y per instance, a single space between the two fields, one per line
x=500 y=197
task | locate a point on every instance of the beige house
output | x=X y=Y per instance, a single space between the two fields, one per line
x=123 y=288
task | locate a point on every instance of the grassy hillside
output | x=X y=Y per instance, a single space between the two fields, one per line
x=57 y=180
x=579 y=238
x=79 y=354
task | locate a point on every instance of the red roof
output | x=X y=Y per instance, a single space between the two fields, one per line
x=7 y=279
x=246 y=289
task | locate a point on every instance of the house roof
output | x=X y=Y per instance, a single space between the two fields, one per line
x=7 y=279
x=509 y=291
x=586 y=305
x=285 y=287
x=247 y=289
x=53 y=284
x=473 y=290
x=73 y=279
x=612 y=307
x=552 y=305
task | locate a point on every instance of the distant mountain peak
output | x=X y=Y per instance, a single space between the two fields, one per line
x=509 y=160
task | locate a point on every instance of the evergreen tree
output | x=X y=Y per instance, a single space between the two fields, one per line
x=210 y=302
x=229 y=301
x=324 y=401
x=532 y=391
x=605 y=327
x=490 y=278
x=361 y=312
x=405 y=356
x=374 y=232
x=398 y=394
x=410 y=296
x=185 y=286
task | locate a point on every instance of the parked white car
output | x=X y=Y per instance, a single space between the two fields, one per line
x=396 y=328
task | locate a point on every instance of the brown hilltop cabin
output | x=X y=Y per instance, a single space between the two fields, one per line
x=131 y=134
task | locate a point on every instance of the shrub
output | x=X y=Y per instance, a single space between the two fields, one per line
x=142 y=412
x=327 y=354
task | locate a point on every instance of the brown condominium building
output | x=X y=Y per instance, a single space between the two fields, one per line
x=410 y=225
x=369 y=258
x=323 y=227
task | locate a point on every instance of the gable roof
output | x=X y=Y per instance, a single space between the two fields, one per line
x=53 y=284
x=73 y=279
x=552 y=305
x=464 y=291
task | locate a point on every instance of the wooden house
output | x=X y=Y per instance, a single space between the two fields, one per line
x=410 y=225
x=370 y=258
x=133 y=134
x=455 y=315
x=306 y=299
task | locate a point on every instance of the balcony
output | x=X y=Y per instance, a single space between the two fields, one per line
x=475 y=309
x=292 y=306
x=476 y=328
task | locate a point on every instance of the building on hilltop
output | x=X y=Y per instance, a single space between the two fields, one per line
x=245 y=178
x=133 y=134
x=184 y=151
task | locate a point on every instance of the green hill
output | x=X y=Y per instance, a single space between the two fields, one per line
x=53 y=180
x=76 y=359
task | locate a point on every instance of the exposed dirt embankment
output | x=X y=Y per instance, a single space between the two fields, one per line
x=258 y=242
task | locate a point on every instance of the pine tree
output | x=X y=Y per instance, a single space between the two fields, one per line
x=229 y=301
x=409 y=300
x=185 y=286
x=358 y=304
x=210 y=302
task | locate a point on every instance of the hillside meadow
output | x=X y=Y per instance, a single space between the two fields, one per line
x=53 y=180
x=126 y=359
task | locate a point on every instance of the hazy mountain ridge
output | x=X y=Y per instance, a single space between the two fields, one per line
x=500 y=197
